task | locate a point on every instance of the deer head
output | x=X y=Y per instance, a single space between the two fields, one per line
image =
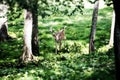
x=60 y=35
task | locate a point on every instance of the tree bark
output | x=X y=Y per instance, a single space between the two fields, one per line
x=117 y=37
x=35 y=45
x=93 y=28
x=3 y=23
x=111 y=41
x=4 y=32
x=27 y=51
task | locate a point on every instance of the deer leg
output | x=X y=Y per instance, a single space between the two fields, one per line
x=64 y=43
x=56 y=48
x=60 y=45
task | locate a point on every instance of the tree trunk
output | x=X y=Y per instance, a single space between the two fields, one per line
x=35 y=45
x=27 y=53
x=117 y=37
x=117 y=49
x=112 y=30
x=4 y=32
x=93 y=28
x=3 y=23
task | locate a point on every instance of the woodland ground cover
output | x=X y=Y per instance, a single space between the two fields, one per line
x=73 y=62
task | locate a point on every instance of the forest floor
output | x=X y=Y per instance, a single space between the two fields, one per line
x=73 y=62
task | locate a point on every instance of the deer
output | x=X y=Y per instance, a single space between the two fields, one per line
x=59 y=36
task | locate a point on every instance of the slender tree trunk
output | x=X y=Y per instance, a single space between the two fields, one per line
x=112 y=30
x=27 y=53
x=93 y=28
x=117 y=37
x=35 y=45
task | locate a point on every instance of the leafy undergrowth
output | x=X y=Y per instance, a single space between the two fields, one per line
x=62 y=66
x=73 y=61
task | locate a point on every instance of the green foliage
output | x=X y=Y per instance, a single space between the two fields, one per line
x=14 y=12
x=65 y=66
x=72 y=62
x=47 y=7
x=66 y=7
x=92 y=1
x=108 y=2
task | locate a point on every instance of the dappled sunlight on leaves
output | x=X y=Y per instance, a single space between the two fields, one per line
x=72 y=62
x=104 y=49
x=12 y=34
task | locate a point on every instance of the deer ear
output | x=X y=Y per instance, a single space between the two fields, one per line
x=64 y=27
x=62 y=30
x=53 y=34
x=51 y=30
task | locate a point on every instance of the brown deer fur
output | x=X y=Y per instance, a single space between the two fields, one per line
x=59 y=36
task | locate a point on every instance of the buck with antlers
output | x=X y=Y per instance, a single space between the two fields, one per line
x=58 y=36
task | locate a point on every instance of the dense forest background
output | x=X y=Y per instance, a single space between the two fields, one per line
x=73 y=61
